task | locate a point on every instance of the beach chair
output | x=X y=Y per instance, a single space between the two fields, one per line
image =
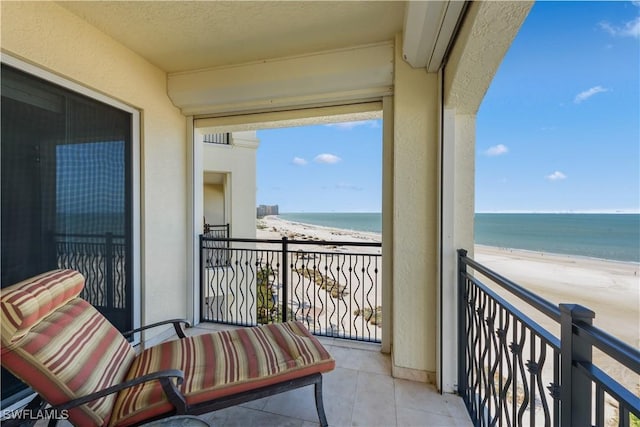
x=82 y=368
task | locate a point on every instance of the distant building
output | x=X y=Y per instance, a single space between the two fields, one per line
x=264 y=210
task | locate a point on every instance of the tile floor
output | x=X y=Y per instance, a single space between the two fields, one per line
x=359 y=392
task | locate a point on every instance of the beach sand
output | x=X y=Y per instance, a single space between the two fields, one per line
x=610 y=288
x=338 y=285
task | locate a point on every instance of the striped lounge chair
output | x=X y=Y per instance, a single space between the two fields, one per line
x=81 y=366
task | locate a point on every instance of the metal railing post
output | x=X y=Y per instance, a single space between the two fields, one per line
x=285 y=276
x=575 y=392
x=462 y=271
x=108 y=260
x=202 y=267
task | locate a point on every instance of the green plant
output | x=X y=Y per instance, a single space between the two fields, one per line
x=267 y=309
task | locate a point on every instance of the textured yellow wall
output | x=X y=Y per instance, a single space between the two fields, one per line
x=52 y=38
x=415 y=216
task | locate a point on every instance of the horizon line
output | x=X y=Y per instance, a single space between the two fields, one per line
x=507 y=211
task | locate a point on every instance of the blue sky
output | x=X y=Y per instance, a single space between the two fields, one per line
x=558 y=130
x=559 y=127
x=322 y=168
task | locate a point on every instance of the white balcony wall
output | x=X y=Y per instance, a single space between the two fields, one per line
x=237 y=163
x=214 y=203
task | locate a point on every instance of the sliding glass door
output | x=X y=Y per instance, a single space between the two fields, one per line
x=66 y=193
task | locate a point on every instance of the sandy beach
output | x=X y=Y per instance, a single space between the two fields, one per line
x=273 y=227
x=610 y=288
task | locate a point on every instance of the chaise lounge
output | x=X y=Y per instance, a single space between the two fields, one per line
x=77 y=362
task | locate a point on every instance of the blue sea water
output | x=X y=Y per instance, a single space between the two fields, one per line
x=358 y=221
x=606 y=236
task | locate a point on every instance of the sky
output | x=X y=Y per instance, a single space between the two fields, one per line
x=322 y=168
x=558 y=130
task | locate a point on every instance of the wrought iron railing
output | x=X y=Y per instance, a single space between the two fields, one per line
x=217 y=138
x=101 y=259
x=513 y=372
x=217 y=253
x=334 y=289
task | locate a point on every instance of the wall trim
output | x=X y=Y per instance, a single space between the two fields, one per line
x=332 y=77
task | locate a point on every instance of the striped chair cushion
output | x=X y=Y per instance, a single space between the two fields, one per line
x=25 y=304
x=221 y=364
x=73 y=352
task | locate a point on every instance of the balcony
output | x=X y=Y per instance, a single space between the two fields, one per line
x=511 y=370
x=359 y=392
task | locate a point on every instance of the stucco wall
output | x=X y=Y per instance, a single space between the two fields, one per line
x=213 y=196
x=238 y=161
x=415 y=220
x=50 y=37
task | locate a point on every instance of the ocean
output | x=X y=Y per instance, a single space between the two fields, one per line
x=605 y=236
x=358 y=221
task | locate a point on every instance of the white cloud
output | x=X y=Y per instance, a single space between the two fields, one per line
x=351 y=125
x=299 y=161
x=586 y=94
x=327 y=158
x=628 y=29
x=497 y=150
x=556 y=176
x=344 y=186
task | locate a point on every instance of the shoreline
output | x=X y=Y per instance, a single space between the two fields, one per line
x=273 y=224
x=530 y=252
x=610 y=288
x=299 y=227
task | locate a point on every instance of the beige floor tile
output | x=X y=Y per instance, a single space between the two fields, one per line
x=299 y=403
x=245 y=417
x=341 y=382
x=419 y=396
x=374 y=383
x=408 y=417
x=339 y=410
x=374 y=409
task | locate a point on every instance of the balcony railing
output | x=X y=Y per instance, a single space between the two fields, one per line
x=217 y=253
x=332 y=287
x=513 y=372
x=217 y=138
x=101 y=258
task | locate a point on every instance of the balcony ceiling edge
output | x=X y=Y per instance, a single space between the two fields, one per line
x=356 y=74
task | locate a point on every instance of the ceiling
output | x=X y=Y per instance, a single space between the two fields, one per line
x=189 y=35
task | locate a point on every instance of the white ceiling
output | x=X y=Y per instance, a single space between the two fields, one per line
x=190 y=35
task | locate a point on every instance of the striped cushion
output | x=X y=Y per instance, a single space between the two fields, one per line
x=221 y=364
x=72 y=352
x=25 y=304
